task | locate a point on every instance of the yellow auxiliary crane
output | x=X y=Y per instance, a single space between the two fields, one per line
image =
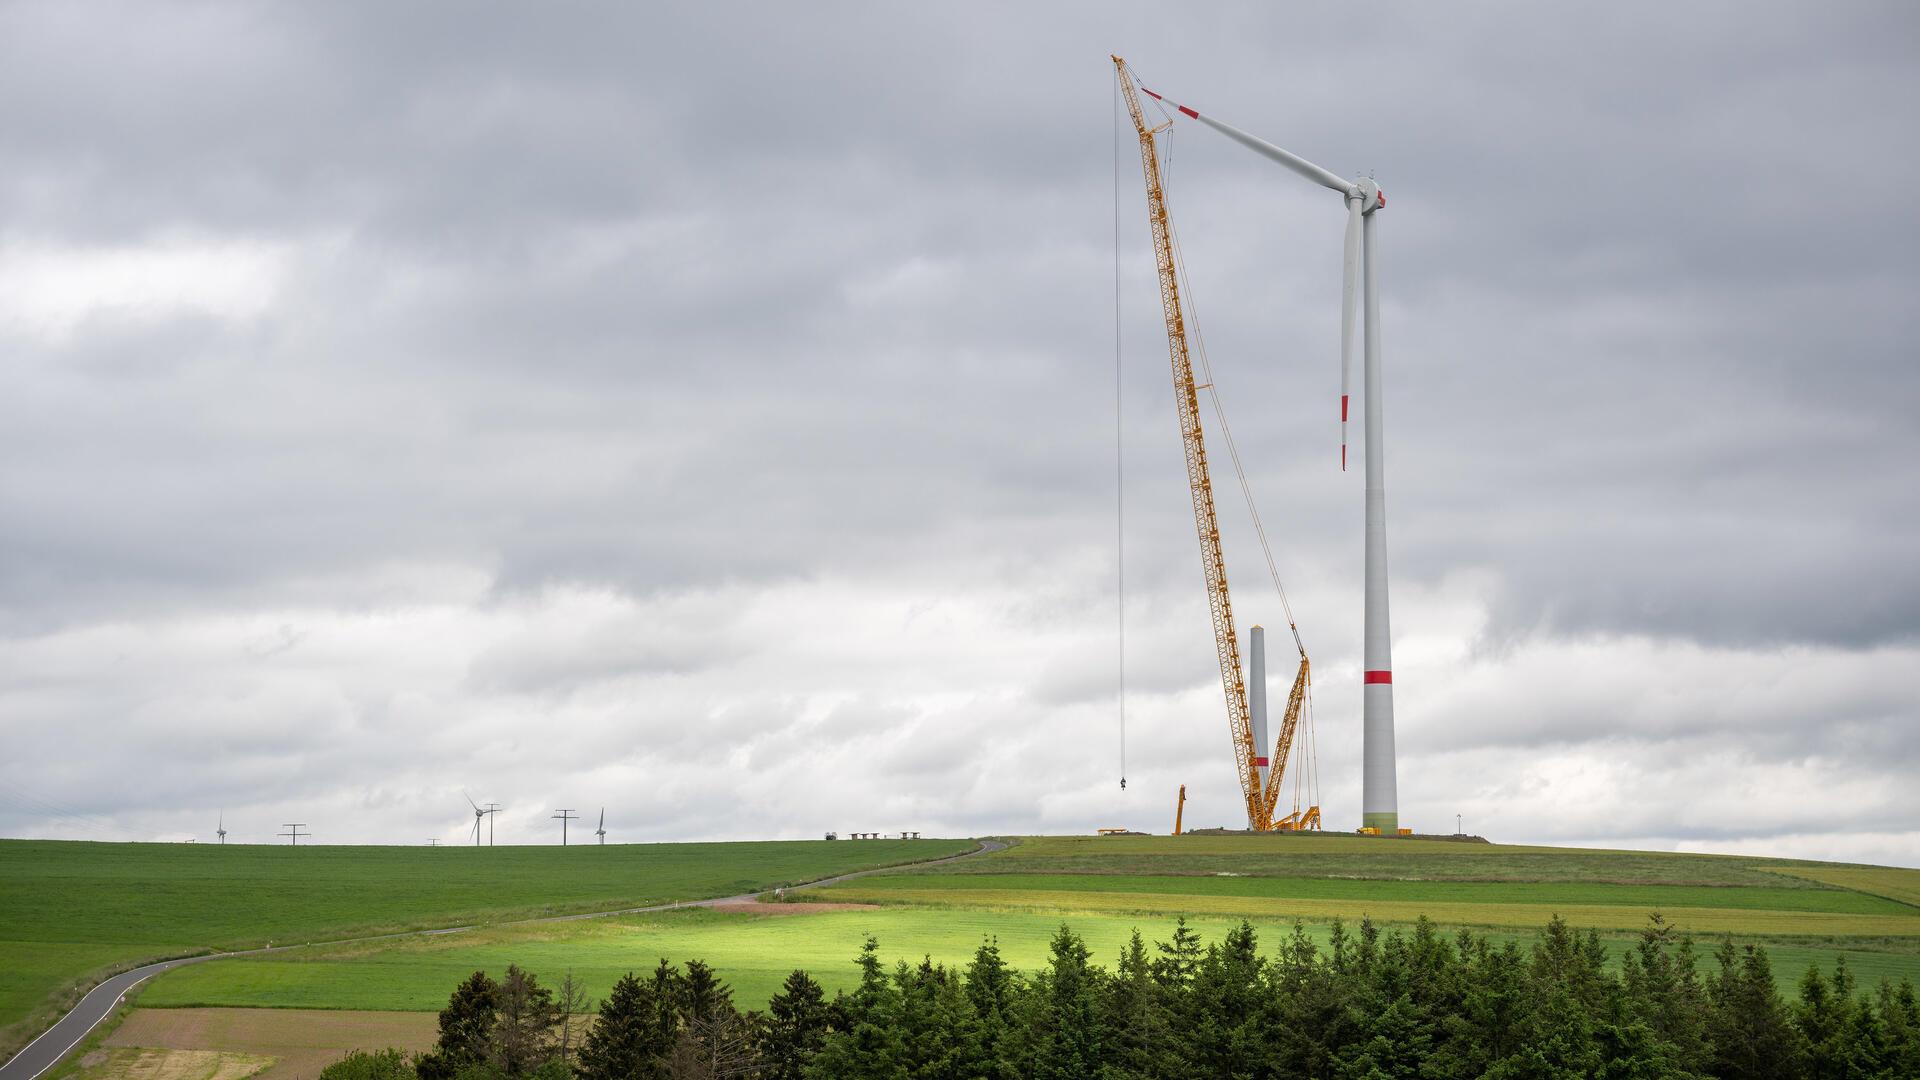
x=1260 y=798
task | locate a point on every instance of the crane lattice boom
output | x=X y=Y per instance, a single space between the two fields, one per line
x=1260 y=803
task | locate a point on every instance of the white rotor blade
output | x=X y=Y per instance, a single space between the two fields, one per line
x=1349 y=294
x=1265 y=149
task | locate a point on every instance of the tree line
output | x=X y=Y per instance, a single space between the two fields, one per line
x=1367 y=1006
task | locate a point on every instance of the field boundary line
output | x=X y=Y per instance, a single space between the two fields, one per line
x=1846 y=882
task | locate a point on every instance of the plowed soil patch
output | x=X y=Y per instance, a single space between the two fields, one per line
x=146 y=1063
x=301 y=1041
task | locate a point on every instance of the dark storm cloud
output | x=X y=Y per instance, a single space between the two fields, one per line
x=677 y=314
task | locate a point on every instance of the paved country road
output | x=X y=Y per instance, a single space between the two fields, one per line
x=46 y=1051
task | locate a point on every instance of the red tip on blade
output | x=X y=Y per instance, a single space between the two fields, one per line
x=1151 y=94
x=1343 y=408
x=1343 y=457
x=1188 y=111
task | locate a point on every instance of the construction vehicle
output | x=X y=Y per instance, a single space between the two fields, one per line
x=1179 y=810
x=1261 y=794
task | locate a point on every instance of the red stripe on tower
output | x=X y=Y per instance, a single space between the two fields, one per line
x=1379 y=676
x=1260 y=761
x=1188 y=111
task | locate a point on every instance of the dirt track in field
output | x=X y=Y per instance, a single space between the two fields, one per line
x=781 y=908
x=302 y=1041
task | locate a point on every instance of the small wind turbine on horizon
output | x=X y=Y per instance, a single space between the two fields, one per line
x=221 y=831
x=601 y=832
x=481 y=813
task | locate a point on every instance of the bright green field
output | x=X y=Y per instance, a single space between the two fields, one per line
x=1105 y=887
x=69 y=912
x=68 y=909
x=963 y=888
x=753 y=953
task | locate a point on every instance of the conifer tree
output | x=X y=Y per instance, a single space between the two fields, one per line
x=525 y=1021
x=1068 y=1036
x=989 y=988
x=794 y=1027
x=1134 y=1013
x=466 y=1029
x=1753 y=1039
x=866 y=1044
x=626 y=1040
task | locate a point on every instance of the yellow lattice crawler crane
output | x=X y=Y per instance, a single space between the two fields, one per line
x=1260 y=797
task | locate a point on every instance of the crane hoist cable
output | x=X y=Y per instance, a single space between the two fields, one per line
x=1260 y=796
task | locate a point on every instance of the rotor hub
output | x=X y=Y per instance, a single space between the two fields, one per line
x=1370 y=196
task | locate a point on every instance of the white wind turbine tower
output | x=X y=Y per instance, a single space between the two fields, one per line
x=1379 y=800
x=601 y=832
x=479 y=815
x=221 y=830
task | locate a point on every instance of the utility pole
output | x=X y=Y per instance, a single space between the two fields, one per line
x=433 y=841
x=492 y=809
x=293 y=832
x=564 y=816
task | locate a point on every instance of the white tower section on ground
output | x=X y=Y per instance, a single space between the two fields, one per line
x=1257 y=700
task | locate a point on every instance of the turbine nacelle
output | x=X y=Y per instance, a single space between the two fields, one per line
x=1369 y=194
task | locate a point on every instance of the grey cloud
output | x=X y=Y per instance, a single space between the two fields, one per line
x=687 y=307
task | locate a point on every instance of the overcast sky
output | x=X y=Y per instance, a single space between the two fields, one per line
x=707 y=412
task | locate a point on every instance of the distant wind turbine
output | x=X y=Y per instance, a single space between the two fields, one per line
x=601 y=832
x=481 y=813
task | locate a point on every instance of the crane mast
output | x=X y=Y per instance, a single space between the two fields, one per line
x=1186 y=394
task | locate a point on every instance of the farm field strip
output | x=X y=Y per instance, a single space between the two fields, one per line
x=1835 y=900
x=230 y=896
x=1378 y=859
x=292 y=1043
x=159 y=1063
x=1598 y=916
x=755 y=953
x=1899 y=885
x=72 y=912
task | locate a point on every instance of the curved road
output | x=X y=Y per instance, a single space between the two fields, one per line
x=52 y=1044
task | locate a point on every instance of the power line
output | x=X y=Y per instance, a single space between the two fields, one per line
x=1119 y=455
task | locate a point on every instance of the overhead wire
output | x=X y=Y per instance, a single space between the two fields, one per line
x=1308 y=749
x=1213 y=395
x=1119 y=454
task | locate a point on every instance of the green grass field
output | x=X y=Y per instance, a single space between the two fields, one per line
x=71 y=912
x=962 y=888
x=753 y=953
x=141 y=900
